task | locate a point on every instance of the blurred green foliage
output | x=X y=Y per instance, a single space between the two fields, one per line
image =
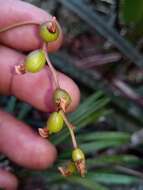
x=132 y=11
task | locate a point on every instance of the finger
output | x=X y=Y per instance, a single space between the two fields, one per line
x=36 y=89
x=22 y=145
x=25 y=37
x=7 y=180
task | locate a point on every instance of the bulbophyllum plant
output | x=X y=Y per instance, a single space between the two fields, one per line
x=33 y=63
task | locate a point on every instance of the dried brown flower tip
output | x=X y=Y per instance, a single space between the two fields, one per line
x=51 y=26
x=20 y=69
x=81 y=167
x=43 y=132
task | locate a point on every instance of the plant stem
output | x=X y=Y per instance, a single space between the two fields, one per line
x=52 y=70
x=18 y=25
x=70 y=129
x=51 y=66
x=69 y=125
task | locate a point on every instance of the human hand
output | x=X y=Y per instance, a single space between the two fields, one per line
x=17 y=140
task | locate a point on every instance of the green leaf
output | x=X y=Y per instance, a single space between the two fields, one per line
x=114 y=159
x=105 y=136
x=88 y=103
x=92 y=147
x=87 y=183
x=82 y=111
x=132 y=11
x=113 y=178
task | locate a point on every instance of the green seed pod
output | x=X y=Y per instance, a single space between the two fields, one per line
x=77 y=154
x=71 y=168
x=68 y=170
x=61 y=98
x=55 y=122
x=35 y=61
x=48 y=35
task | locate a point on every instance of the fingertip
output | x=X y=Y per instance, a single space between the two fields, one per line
x=25 y=38
x=24 y=146
x=7 y=180
x=44 y=155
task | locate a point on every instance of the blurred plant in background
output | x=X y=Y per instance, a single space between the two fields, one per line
x=102 y=52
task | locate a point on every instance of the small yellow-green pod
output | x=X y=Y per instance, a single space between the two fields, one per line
x=46 y=35
x=61 y=94
x=77 y=154
x=35 y=61
x=55 y=122
x=71 y=168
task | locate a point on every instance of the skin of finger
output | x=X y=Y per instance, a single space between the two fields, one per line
x=24 y=38
x=23 y=146
x=36 y=89
x=7 y=180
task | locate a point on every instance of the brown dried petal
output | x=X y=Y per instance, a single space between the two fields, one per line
x=81 y=167
x=68 y=170
x=64 y=171
x=43 y=132
x=20 y=69
x=52 y=25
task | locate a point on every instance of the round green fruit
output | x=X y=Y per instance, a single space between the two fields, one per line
x=71 y=168
x=35 y=61
x=46 y=34
x=77 y=154
x=61 y=95
x=55 y=122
